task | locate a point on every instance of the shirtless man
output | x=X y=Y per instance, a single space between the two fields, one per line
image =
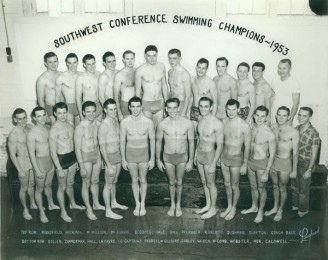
x=246 y=93
x=263 y=149
x=237 y=134
x=285 y=161
x=150 y=78
x=61 y=144
x=19 y=156
x=226 y=86
x=88 y=157
x=106 y=79
x=86 y=86
x=264 y=94
x=178 y=132
x=287 y=89
x=109 y=141
x=136 y=131
x=46 y=84
x=124 y=88
x=179 y=81
x=38 y=149
x=65 y=87
x=202 y=86
x=210 y=132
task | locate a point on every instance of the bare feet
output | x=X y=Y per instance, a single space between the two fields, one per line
x=201 y=211
x=259 y=217
x=44 y=218
x=171 y=211
x=75 y=206
x=209 y=214
x=250 y=210
x=272 y=211
x=278 y=216
x=66 y=218
x=53 y=207
x=136 y=211
x=116 y=205
x=26 y=214
x=178 y=212
x=225 y=213
x=98 y=207
x=111 y=214
x=91 y=215
x=142 y=211
x=33 y=206
x=231 y=214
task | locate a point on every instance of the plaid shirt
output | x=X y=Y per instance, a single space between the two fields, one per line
x=308 y=138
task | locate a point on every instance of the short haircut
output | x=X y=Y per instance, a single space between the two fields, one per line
x=222 y=59
x=308 y=109
x=175 y=51
x=109 y=101
x=17 y=111
x=88 y=57
x=202 y=61
x=262 y=108
x=151 y=48
x=244 y=64
x=232 y=102
x=284 y=108
x=59 y=105
x=128 y=52
x=287 y=61
x=172 y=100
x=38 y=108
x=206 y=99
x=134 y=99
x=71 y=55
x=88 y=104
x=107 y=54
x=258 y=64
x=49 y=55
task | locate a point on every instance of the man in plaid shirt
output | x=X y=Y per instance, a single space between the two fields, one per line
x=307 y=154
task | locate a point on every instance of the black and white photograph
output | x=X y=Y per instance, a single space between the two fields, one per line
x=160 y=129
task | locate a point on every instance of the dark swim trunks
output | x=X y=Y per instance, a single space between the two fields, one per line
x=194 y=113
x=67 y=160
x=243 y=112
x=153 y=106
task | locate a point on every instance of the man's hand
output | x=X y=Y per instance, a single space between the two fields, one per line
x=189 y=166
x=243 y=169
x=160 y=165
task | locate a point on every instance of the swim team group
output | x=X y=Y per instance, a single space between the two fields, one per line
x=133 y=119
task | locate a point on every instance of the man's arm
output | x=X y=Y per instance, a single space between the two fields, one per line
x=214 y=95
x=78 y=137
x=187 y=88
x=251 y=95
x=272 y=152
x=53 y=136
x=31 y=152
x=247 y=145
x=138 y=82
x=78 y=95
x=40 y=91
x=117 y=92
x=314 y=154
x=12 y=140
x=233 y=88
x=123 y=133
x=191 y=142
x=102 y=84
x=219 y=144
x=296 y=102
x=102 y=132
x=159 y=139
x=164 y=85
x=151 y=135
x=59 y=96
x=295 y=141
